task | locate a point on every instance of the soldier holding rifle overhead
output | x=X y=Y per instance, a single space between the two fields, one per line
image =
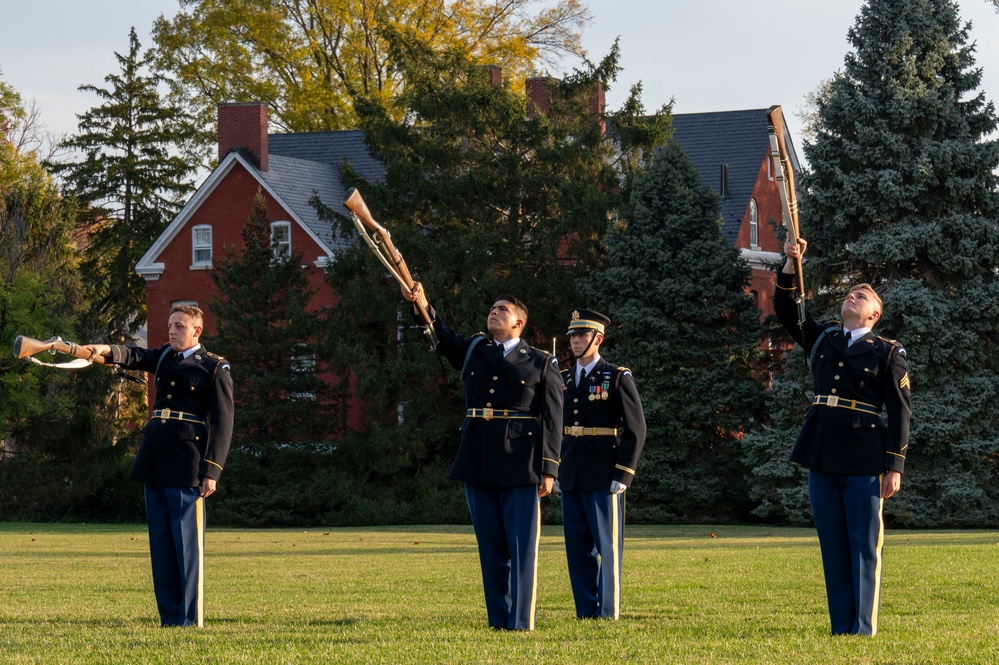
x=508 y=455
x=854 y=460
x=604 y=436
x=180 y=458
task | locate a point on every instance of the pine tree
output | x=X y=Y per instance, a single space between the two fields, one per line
x=481 y=201
x=64 y=442
x=902 y=194
x=683 y=323
x=286 y=416
x=130 y=182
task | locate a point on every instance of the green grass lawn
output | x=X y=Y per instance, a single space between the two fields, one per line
x=80 y=593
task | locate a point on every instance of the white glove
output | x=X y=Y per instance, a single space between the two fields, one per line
x=556 y=488
x=616 y=487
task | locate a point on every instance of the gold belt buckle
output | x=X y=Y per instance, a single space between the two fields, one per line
x=487 y=414
x=575 y=430
x=164 y=415
x=832 y=400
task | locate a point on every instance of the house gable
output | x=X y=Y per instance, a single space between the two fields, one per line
x=152 y=265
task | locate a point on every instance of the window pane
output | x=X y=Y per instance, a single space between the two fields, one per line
x=201 y=241
x=279 y=233
x=281 y=240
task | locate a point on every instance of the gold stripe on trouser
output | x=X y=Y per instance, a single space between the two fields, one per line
x=616 y=552
x=537 y=551
x=877 y=567
x=200 y=516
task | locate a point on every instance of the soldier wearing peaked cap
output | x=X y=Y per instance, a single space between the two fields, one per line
x=180 y=458
x=854 y=459
x=604 y=429
x=508 y=454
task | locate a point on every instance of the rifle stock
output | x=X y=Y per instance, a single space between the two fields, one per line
x=387 y=252
x=28 y=346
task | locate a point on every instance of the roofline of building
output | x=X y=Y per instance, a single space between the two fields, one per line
x=758 y=258
x=148 y=268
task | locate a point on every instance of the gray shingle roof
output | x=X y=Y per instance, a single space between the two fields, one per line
x=296 y=181
x=737 y=138
x=301 y=165
x=329 y=148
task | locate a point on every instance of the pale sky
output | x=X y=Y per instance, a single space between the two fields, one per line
x=710 y=55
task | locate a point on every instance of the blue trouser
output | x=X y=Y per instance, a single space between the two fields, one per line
x=507 y=524
x=849 y=522
x=176 y=517
x=593 y=523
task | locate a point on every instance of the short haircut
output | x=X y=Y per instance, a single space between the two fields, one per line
x=519 y=306
x=192 y=311
x=870 y=289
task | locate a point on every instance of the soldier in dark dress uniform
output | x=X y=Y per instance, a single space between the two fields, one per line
x=855 y=461
x=508 y=455
x=181 y=454
x=604 y=429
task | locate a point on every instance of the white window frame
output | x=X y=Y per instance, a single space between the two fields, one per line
x=754 y=224
x=281 y=249
x=201 y=264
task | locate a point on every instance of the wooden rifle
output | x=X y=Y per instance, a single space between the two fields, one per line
x=784 y=175
x=28 y=347
x=380 y=242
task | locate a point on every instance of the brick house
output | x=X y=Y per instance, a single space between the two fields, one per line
x=730 y=149
x=288 y=169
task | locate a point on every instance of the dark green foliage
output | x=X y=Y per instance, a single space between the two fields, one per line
x=481 y=201
x=675 y=291
x=130 y=182
x=287 y=417
x=64 y=443
x=902 y=194
x=777 y=487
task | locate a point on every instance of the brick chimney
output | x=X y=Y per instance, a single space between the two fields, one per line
x=539 y=99
x=595 y=106
x=243 y=127
x=539 y=95
x=495 y=74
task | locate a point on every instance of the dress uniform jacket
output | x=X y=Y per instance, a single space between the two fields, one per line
x=874 y=371
x=176 y=453
x=504 y=452
x=592 y=462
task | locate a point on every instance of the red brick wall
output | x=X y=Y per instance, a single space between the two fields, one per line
x=769 y=212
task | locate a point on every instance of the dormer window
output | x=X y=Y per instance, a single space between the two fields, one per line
x=754 y=225
x=201 y=246
x=281 y=240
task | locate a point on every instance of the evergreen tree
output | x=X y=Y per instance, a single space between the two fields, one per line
x=267 y=327
x=675 y=290
x=63 y=443
x=481 y=201
x=777 y=488
x=902 y=194
x=130 y=183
